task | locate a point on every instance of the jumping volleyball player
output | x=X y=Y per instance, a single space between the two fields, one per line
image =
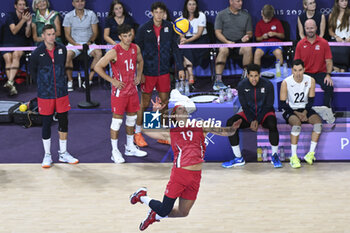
x=124 y=58
x=189 y=148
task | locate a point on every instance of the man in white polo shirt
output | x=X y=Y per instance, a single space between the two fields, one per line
x=80 y=27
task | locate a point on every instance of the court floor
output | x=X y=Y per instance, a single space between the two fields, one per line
x=254 y=198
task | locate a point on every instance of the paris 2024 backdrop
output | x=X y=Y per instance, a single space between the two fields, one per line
x=140 y=9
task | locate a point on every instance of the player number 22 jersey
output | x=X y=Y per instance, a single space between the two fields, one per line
x=298 y=93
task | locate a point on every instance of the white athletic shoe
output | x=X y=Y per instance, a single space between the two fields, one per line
x=47 y=161
x=134 y=151
x=67 y=158
x=117 y=157
x=325 y=113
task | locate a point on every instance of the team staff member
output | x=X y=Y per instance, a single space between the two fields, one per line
x=315 y=52
x=256 y=96
x=189 y=149
x=158 y=42
x=48 y=68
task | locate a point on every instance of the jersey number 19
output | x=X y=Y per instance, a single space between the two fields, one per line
x=187 y=135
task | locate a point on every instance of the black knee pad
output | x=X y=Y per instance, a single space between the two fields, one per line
x=46 y=129
x=62 y=122
x=162 y=208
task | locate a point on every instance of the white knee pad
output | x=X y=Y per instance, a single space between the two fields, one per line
x=318 y=128
x=130 y=120
x=116 y=123
x=296 y=129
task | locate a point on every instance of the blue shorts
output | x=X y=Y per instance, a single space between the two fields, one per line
x=269 y=50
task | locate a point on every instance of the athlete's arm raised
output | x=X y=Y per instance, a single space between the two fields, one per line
x=223 y=131
x=158 y=134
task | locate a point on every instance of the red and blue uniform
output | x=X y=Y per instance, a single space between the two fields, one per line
x=48 y=68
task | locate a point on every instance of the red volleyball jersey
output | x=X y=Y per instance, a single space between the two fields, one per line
x=124 y=70
x=188 y=146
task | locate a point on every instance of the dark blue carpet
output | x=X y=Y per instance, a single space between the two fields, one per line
x=88 y=136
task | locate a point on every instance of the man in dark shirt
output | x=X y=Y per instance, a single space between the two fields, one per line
x=256 y=96
x=48 y=68
x=158 y=43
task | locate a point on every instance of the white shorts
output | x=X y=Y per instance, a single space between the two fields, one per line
x=77 y=52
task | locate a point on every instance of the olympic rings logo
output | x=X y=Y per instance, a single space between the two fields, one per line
x=325 y=11
x=148 y=14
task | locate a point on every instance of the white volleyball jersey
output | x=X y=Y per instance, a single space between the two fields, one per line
x=298 y=93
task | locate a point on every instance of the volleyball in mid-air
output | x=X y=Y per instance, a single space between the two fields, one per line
x=181 y=26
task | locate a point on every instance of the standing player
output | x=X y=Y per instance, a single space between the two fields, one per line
x=48 y=68
x=158 y=43
x=189 y=148
x=299 y=90
x=124 y=58
x=256 y=96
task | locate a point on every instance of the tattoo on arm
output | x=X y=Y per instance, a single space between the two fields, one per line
x=222 y=131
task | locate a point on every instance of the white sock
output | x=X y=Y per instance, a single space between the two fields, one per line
x=313 y=146
x=47 y=145
x=294 y=149
x=114 y=143
x=236 y=151
x=145 y=199
x=218 y=77
x=274 y=149
x=138 y=128
x=160 y=217
x=63 y=146
x=129 y=140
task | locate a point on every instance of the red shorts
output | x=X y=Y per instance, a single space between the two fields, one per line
x=161 y=82
x=262 y=121
x=183 y=183
x=50 y=106
x=123 y=104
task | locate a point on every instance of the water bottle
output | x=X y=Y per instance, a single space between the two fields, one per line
x=187 y=88
x=285 y=69
x=79 y=80
x=229 y=93
x=264 y=155
x=282 y=154
x=181 y=87
x=259 y=154
x=222 y=96
x=177 y=85
x=278 y=68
